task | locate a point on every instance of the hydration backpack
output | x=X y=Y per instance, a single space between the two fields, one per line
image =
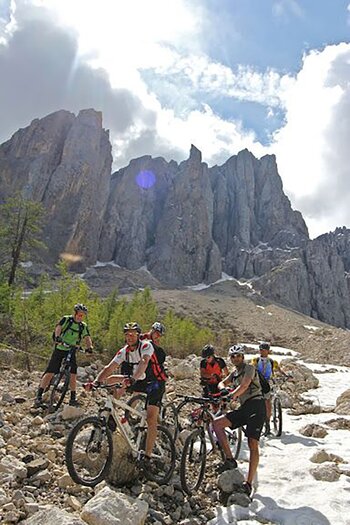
x=66 y=326
x=265 y=385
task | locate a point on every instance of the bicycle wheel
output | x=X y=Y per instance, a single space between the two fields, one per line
x=185 y=413
x=234 y=437
x=89 y=451
x=277 y=417
x=162 y=463
x=193 y=461
x=138 y=401
x=59 y=389
x=168 y=415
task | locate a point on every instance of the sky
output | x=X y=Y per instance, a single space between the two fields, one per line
x=272 y=76
x=286 y=492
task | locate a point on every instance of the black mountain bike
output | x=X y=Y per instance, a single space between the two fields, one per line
x=202 y=441
x=60 y=382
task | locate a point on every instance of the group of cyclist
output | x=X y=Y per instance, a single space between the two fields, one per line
x=139 y=366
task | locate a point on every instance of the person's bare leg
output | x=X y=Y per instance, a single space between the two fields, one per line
x=268 y=405
x=253 y=459
x=45 y=380
x=152 y=422
x=219 y=425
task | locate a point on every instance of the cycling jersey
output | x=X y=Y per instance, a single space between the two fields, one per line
x=214 y=369
x=254 y=389
x=72 y=332
x=266 y=366
x=130 y=357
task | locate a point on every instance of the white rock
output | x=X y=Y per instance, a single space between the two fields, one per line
x=53 y=516
x=114 y=508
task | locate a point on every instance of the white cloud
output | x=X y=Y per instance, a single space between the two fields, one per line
x=312 y=147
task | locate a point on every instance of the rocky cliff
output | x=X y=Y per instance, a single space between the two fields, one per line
x=186 y=223
x=64 y=162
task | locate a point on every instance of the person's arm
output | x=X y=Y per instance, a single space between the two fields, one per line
x=106 y=372
x=88 y=342
x=58 y=330
x=141 y=367
x=225 y=382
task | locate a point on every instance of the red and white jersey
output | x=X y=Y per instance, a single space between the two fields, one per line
x=134 y=355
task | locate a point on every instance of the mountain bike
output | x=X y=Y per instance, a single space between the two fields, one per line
x=276 y=416
x=60 y=382
x=167 y=413
x=89 y=447
x=202 y=441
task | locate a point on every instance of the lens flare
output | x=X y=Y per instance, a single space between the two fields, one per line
x=145 y=179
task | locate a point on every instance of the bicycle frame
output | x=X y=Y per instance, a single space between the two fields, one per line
x=109 y=409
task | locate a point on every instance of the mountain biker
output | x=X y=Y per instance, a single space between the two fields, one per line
x=69 y=331
x=141 y=372
x=251 y=413
x=268 y=367
x=212 y=370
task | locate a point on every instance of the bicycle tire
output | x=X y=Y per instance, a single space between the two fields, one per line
x=77 y=456
x=168 y=416
x=234 y=438
x=183 y=414
x=194 y=452
x=135 y=401
x=277 y=417
x=162 y=463
x=59 y=389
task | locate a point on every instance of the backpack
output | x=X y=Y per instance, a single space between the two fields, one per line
x=265 y=385
x=67 y=324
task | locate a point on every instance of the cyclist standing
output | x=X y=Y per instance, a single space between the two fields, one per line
x=70 y=331
x=267 y=367
x=251 y=413
x=212 y=370
x=141 y=372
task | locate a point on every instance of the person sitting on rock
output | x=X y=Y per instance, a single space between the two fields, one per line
x=252 y=412
x=70 y=331
x=212 y=370
x=140 y=371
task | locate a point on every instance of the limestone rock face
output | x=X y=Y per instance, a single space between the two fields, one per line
x=184 y=251
x=64 y=162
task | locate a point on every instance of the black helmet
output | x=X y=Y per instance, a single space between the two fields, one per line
x=236 y=350
x=264 y=346
x=208 y=350
x=132 y=326
x=158 y=327
x=79 y=307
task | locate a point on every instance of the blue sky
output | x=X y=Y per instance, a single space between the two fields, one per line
x=268 y=75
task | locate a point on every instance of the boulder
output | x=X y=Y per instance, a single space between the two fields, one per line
x=52 y=516
x=109 y=507
x=326 y=473
x=343 y=403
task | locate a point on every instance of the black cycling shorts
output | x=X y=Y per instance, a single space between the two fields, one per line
x=56 y=359
x=253 y=414
x=154 y=390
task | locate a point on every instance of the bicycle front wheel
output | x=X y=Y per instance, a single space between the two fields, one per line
x=277 y=417
x=89 y=451
x=59 y=389
x=193 y=459
x=169 y=419
x=162 y=463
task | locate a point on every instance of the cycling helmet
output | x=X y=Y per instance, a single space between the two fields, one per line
x=207 y=351
x=264 y=346
x=132 y=326
x=236 y=350
x=158 y=327
x=79 y=307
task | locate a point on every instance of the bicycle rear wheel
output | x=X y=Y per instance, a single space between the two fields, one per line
x=162 y=462
x=59 y=389
x=89 y=451
x=193 y=459
x=277 y=417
